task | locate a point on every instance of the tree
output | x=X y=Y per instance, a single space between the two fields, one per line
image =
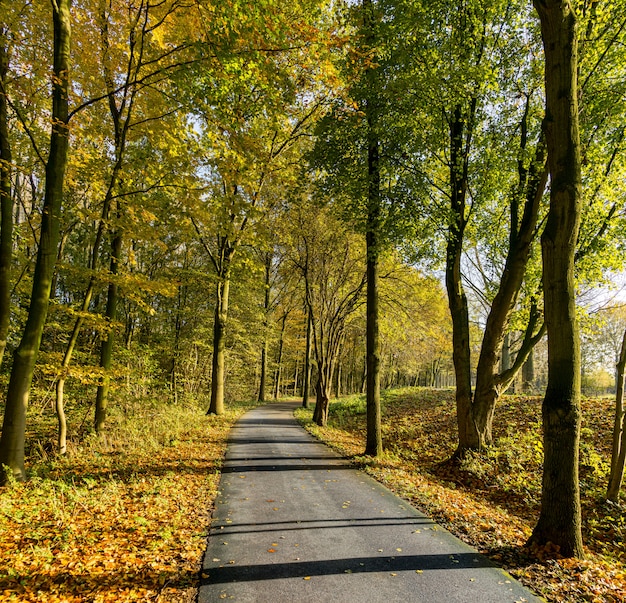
x=126 y=66
x=14 y=424
x=560 y=517
x=374 y=439
x=306 y=387
x=483 y=76
x=328 y=256
x=618 y=455
x=358 y=149
x=266 y=312
x=6 y=198
x=253 y=131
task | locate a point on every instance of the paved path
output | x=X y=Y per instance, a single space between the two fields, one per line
x=294 y=522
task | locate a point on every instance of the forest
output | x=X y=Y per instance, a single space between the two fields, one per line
x=210 y=204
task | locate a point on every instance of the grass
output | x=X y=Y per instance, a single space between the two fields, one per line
x=492 y=501
x=122 y=518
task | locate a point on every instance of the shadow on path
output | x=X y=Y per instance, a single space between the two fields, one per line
x=355 y=565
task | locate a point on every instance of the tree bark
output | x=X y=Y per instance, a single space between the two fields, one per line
x=219 y=346
x=374 y=441
x=6 y=200
x=14 y=424
x=279 y=361
x=490 y=383
x=457 y=299
x=560 y=517
x=322 y=400
x=528 y=373
x=106 y=347
x=296 y=374
x=266 y=310
x=618 y=455
x=307 y=360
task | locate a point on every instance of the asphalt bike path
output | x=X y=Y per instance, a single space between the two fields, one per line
x=294 y=521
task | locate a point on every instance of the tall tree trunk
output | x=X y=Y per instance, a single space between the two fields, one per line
x=560 y=517
x=338 y=378
x=307 y=360
x=296 y=376
x=93 y=281
x=618 y=455
x=263 y=378
x=121 y=126
x=219 y=345
x=106 y=347
x=14 y=424
x=457 y=300
x=374 y=440
x=322 y=391
x=490 y=383
x=181 y=303
x=6 y=200
x=266 y=310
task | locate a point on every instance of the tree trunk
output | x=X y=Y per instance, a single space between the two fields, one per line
x=61 y=419
x=181 y=303
x=618 y=455
x=307 y=360
x=266 y=309
x=505 y=360
x=457 y=300
x=374 y=440
x=338 y=377
x=489 y=383
x=279 y=368
x=14 y=424
x=528 y=373
x=6 y=200
x=219 y=342
x=560 y=517
x=263 y=378
x=296 y=374
x=322 y=401
x=106 y=347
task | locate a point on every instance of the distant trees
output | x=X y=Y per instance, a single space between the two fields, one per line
x=330 y=260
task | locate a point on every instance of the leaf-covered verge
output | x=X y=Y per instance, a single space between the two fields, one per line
x=120 y=519
x=492 y=501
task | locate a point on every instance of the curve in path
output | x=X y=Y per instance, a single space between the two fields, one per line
x=296 y=522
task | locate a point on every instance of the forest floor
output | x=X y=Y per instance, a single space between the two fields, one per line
x=125 y=518
x=116 y=520
x=492 y=501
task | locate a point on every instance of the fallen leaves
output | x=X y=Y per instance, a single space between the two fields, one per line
x=492 y=501
x=104 y=526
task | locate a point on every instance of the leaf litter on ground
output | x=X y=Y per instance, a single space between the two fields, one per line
x=491 y=500
x=119 y=519
x=126 y=519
